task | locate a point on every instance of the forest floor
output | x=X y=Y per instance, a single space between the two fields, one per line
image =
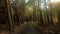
x=4 y=32
x=32 y=28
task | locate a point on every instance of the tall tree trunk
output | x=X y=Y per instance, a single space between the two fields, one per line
x=46 y=12
x=9 y=15
x=40 y=11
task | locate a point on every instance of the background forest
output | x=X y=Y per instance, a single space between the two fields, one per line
x=39 y=13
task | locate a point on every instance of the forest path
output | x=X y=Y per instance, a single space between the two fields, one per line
x=29 y=29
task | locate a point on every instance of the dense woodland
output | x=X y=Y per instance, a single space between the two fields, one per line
x=38 y=12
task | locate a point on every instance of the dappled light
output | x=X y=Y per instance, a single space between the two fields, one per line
x=52 y=1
